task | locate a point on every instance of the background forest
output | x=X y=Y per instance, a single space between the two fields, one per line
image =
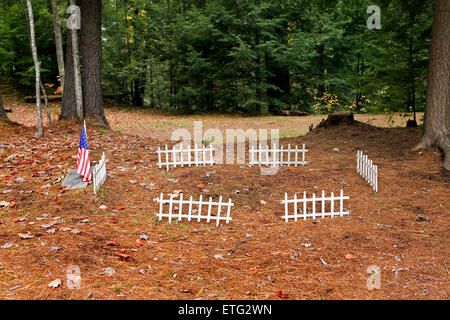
x=258 y=56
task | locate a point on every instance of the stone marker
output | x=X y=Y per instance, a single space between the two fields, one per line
x=73 y=180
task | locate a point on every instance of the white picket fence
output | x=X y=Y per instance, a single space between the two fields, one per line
x=195 y=213
x=367 y=169
x=318 y=207
x=188 y=156
x=99 y=173
x=279 y=156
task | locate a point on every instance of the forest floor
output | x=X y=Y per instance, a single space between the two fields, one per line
x=44 y=228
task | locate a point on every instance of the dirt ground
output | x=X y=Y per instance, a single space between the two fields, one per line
x=404 y=228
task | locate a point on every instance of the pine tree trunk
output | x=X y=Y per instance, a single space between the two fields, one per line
x=58 y=42
x=40 y=129
x=68 y=109
x=91 y=66
x=91 y=58
x=437 y=107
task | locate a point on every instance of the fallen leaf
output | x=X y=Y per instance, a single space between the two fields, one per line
x=124 y=257
x=349 y=256
x=4 y=204
x=113 y=219
x=111 y=243
x=109 y=271
x=47 y=225
x=139 y=242
x=55 y=283
x=7 y=245
x=281 y=295
x=143 y=236
x=186 y=174
x=25 y=236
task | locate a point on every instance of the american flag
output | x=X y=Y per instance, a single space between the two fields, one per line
x=83 y=162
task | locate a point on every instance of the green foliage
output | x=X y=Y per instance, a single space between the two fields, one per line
x=16 y=62
x=256 y=56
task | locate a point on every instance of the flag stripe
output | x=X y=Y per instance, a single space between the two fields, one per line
x=83 y=161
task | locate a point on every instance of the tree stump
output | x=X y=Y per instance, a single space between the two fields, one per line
x=337 y=118
x=297 y=113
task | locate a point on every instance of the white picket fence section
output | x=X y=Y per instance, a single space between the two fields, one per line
x=319 y=207
x=367 y=169
x=188 y=156
x=99 y=173
x=195 y=213
x=279 y=156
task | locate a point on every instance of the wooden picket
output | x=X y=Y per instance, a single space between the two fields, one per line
x=261 y=156
x=302 y=212
x=99 y=173
x=188 y=156
x=367 y=169
x=171 y=214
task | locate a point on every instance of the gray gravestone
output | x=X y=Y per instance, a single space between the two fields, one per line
x=73 y=180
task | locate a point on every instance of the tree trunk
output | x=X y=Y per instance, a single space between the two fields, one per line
x=91 y=59
x=3 y=116
x=437 y=105
x=77 y=72
x=58 y=42
x=91 y=66
x=47 y=107
x=40 y=129
x=68 y=109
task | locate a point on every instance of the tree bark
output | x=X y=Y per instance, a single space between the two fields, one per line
x=91 y=59
x=58 y=42
x=47 y=107
x=437 y=105
x=68 y=109
x=40 y=130
x=3 y=116
x=77 y=72
x=91 y=66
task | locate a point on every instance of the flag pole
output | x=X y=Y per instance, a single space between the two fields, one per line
x=85 y=129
